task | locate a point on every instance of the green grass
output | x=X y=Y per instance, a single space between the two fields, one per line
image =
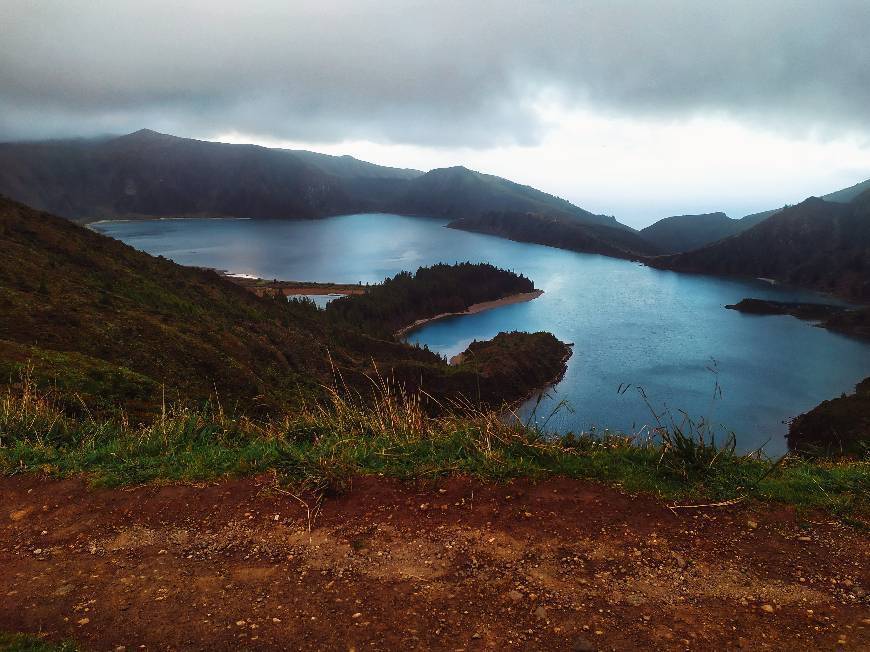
x=321 y=447
x=31 y=643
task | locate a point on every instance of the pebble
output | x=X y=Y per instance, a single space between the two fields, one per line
x=751 y=525
x=541 y=613
x=581 y=644
x=515 y=595
x=767 y=608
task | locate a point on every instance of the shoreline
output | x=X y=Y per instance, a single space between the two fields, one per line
x=569 y=352
x=262 y=287
x=473 y=309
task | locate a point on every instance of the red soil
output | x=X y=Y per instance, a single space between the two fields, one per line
x=461 y=565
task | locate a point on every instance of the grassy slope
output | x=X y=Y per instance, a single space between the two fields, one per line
x=321 y=448
x=66 y=289
x=111 y=325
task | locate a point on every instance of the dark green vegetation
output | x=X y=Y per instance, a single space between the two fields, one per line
x=406 y=298
x=816 y=244
x=458 y=192
x=31 y=643
x=686 y=232
x=322 y=447
x=840 y=426
x=152 y=174
x=558 y=230
x=808 y=311
x=843 y=319
x=112 y=327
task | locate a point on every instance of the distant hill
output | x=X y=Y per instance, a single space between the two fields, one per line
x=147 y=174
x=458 y=192
x=686 y=232
x=816 y=244
x=846 y=195
x=564 y=232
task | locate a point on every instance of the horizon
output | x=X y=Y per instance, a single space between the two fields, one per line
x=662 y=108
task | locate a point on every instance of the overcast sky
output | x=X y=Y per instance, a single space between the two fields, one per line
x=637 y=109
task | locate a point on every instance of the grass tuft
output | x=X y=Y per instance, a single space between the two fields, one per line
x=320 y=447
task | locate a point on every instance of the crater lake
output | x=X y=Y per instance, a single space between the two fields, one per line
x=666 y=332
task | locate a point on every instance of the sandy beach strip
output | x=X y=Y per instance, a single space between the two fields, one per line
x=472 y=309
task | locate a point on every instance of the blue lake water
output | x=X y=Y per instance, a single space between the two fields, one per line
x=629 y=323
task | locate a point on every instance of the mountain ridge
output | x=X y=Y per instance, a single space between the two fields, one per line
x=817 y=244
x=681 y=233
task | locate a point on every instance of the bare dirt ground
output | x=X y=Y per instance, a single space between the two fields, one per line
x=461 y=565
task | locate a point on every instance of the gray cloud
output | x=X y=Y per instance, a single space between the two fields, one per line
x=433 y=73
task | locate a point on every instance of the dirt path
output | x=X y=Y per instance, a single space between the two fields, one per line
x=457 y=566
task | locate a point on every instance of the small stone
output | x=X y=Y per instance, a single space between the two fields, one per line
x=276 y=620
x=357 y=615
x=804 y=539
x=751 y=525
x=84 y=621
x=240 y=623
x=424 y=507
x=767 y=608
x=541 y=613
x=581 y=644
x=19 y=514
x=515 y=595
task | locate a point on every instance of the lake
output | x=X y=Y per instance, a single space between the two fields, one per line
x=630 y=324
